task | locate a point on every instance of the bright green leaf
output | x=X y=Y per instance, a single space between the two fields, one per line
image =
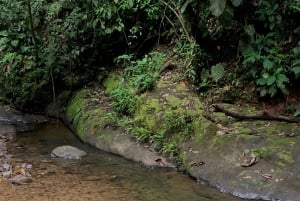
x=217 y=7
x=265 y=75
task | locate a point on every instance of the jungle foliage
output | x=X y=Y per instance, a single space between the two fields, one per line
x=54 y=45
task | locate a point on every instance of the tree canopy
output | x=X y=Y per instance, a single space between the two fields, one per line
x=55 y=45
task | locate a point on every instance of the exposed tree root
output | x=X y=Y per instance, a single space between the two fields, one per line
x=262 y=116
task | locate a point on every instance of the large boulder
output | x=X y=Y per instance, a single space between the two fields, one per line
x=249 y=159
x=67 y=152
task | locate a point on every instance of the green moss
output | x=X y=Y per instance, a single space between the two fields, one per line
x=285 y=157
x=261 y=152
x=76 y=106
x=204 y=130
x=112 y=82
x=173 y=100
x=148 y=113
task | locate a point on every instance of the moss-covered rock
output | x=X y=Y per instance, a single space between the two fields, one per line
x=171 y=119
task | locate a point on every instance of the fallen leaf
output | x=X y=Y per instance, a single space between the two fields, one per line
x=248 y=162
x=200 y=163
x=19 y=171
x=267 y=176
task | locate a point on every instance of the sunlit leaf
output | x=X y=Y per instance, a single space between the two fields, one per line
x=217 y=7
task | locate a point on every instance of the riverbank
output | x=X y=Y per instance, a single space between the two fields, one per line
x=249 y=159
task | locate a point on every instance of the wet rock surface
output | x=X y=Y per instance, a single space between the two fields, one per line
x=17 y=121
x=18 y=173
x=11 y=122
x=67 y=152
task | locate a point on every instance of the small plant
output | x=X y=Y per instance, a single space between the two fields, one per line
x=169 y=148
x=123 y=100
x=141 y=133
x=268 y=65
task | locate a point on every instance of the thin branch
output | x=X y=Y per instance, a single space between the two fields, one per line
x=262 y=116
x=181 y=20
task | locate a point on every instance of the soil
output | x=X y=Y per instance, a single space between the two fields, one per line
x=63 y=186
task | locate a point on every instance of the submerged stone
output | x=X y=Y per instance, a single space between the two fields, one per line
x=20 y=179
x=67 y=152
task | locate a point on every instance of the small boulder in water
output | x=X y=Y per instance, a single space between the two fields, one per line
x=67 y=152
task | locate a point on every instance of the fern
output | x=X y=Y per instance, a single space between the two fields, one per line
x=217 y=72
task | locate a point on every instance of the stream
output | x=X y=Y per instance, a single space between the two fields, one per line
x=99 y=176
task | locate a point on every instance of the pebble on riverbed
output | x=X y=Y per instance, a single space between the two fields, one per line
x=20 y=179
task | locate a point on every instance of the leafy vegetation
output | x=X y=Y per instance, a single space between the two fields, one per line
x=58 y=45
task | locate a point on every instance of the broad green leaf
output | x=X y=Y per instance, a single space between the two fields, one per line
x=4 y=33
x=296 y=50
x=265 y=75
x=183 y=8
x=217 y=72
x=271 y=80
x=261 y=81
x=296 y=70
x=282 y=78
x=268 y=64
x=217 y=7
x=296 y=62
x=236 y=3
x=226 y=17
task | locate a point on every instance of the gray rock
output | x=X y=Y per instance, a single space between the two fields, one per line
x=6 y=166
x=6 y=174
x=67 y=152
x=13 y=121
x=20 y=179
x=2 y=146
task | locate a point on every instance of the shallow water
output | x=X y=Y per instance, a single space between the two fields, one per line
x=98 y=176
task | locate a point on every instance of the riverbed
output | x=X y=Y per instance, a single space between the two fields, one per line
x=99 y=176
